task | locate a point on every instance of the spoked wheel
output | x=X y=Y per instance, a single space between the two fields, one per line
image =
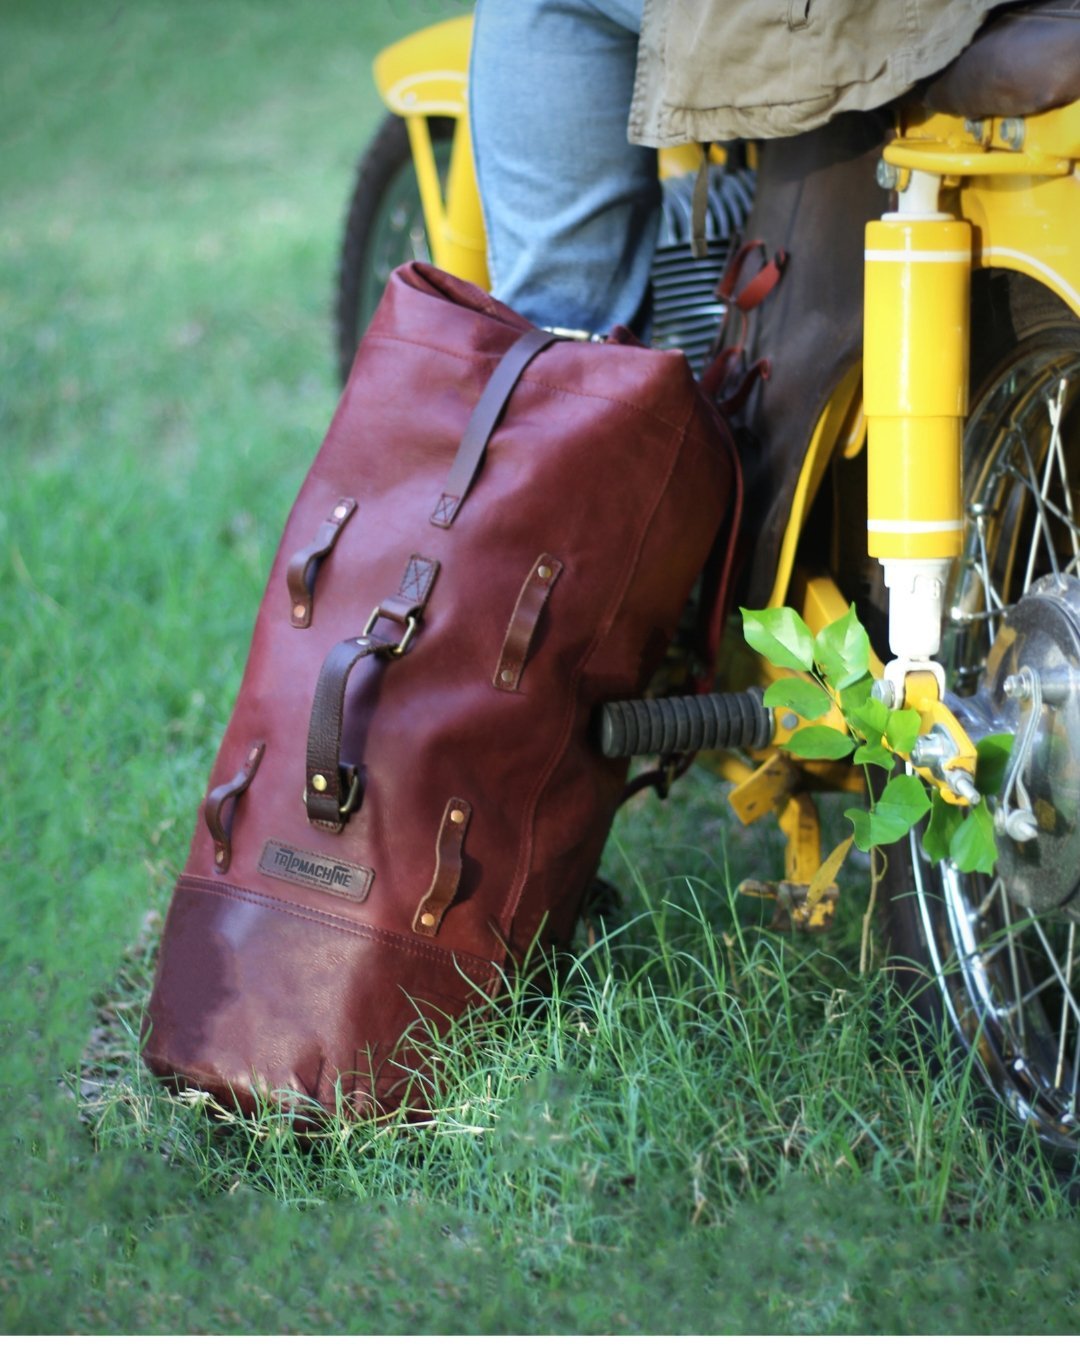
x=384 y=228
x=999 y=957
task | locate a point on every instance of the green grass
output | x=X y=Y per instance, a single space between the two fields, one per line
x=707 y=1127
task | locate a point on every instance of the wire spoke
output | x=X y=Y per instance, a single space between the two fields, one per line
x=1048 y=506
x=1076 y=1069
x=1036 y=990
x=1065 y=1007
x=1014 y=960
x=1066 y=991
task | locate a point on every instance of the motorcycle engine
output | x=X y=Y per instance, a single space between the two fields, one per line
x=686 y=310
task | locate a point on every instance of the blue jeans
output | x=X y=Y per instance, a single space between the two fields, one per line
x=571 y=207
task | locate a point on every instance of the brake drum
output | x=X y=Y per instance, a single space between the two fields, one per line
x=1032 y=685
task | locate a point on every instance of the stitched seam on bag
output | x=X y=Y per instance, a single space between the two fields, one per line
x=602 y=398
x=525 y=852
x=416 y=582
x=532 y=380
x=444 y=512
x=297 y=911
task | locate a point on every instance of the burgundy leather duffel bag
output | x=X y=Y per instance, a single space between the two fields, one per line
x=499 y=533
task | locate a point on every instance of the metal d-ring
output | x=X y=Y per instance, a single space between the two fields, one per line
x=354 y=792
x=411 y=625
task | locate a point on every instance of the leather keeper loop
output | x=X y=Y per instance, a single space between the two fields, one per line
x=484 y=420
x=449 y=858
x=300 y=577
x=522 y=627
x=217 y=799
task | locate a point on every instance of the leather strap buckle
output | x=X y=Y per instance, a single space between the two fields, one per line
x=411 y=625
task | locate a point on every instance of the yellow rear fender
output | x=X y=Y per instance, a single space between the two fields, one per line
x=426 y=73
x=425 y=76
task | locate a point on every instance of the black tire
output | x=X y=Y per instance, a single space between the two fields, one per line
x=969 y=955
x=384 y=228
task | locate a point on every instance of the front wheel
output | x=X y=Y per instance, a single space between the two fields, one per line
x=998 y=958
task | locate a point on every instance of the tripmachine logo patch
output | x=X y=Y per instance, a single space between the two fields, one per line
x=315 y=870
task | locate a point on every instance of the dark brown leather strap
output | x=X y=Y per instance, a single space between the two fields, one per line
x=519 y=633
x=449 y=856
x=218 y=798
x=332 y=789
x=300 y=576
x=484 y=420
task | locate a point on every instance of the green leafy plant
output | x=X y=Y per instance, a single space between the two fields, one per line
x=833 y=673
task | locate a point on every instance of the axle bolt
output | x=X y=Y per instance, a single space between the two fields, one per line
x=1018 y=686
x=885 y=692
x=931 y=750
x=1012 y=132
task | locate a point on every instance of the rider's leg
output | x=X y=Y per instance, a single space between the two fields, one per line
x=572 y=208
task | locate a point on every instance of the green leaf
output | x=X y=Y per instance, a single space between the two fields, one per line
x=801 y=696
x=855 y=695
x=902 y=729
x=862 y=822
x=781 y=636
x=820 y=743
x=974 y=847
x=906 y=794
x=869 y=719
x=945 y=819
x=875 y=754
x=842 y=650
x=993 y=760
x=902 y=805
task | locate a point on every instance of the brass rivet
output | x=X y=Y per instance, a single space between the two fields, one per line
x=299 y=611
x=457 y=816
x=507 y=676
x=318 y=782
x=340 y=512
x=543 y=572
x=428 y=920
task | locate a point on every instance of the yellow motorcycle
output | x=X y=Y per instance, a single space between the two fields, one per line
x=945 y=415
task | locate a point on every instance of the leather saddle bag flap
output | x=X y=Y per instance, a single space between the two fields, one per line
x=498 y=533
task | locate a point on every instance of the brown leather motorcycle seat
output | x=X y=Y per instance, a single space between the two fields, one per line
x=1025 y=60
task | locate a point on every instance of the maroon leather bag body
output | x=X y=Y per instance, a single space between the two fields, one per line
x=498 y=534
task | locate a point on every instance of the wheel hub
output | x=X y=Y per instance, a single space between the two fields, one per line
x=1031 y=687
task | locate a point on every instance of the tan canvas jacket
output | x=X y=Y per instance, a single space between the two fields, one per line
x=716 y=70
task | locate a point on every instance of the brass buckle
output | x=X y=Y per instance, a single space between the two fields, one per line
x=411 y=625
